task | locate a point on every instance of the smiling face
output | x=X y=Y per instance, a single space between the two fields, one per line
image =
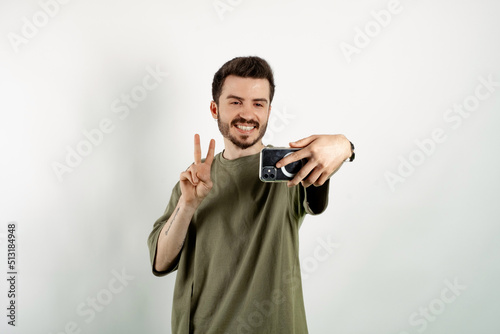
x=243 y=111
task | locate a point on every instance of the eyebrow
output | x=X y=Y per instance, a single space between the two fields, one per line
x=242 y=99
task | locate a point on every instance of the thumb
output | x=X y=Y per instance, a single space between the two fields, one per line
x=302 y=142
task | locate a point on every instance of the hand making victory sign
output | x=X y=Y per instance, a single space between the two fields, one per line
x=195 y=182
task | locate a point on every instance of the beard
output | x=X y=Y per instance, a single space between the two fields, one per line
x=225 y=128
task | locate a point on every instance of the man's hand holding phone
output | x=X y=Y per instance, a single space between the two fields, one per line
x=324 y=153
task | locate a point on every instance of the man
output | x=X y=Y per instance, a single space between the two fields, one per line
x=232 y=238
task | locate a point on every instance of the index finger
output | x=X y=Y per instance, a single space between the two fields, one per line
x=292 y=157
x=197 y=149
x=211 y=152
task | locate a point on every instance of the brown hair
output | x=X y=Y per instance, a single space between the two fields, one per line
x=245 y=67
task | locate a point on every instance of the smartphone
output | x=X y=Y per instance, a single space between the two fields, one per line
x=269 y=156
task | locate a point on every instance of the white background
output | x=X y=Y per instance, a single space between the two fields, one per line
x=397 y=246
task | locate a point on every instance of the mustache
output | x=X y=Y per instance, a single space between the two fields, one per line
x=245 y=121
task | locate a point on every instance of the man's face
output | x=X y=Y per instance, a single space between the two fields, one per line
x=243 y=110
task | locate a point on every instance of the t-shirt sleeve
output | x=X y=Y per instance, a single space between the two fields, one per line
x=312 y=200
x=157 y=227
x=316 y=198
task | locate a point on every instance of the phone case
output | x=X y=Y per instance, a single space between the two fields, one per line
x=269 y=156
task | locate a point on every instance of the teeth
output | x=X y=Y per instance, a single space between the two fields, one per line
x=245 y=128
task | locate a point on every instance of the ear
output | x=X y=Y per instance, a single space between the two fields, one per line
x=214 y=110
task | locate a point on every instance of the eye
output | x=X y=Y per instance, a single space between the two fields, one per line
x=259 y=104
x=235 y=102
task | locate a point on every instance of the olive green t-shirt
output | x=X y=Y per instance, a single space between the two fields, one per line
x=239 y=270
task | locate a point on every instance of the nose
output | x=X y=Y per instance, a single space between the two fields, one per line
x=246 y=112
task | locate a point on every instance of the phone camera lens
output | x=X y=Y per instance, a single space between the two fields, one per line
x=268 y=174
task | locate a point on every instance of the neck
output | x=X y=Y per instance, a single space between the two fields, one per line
x=232 y=151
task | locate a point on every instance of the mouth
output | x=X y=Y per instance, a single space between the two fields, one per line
x=245 y=129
